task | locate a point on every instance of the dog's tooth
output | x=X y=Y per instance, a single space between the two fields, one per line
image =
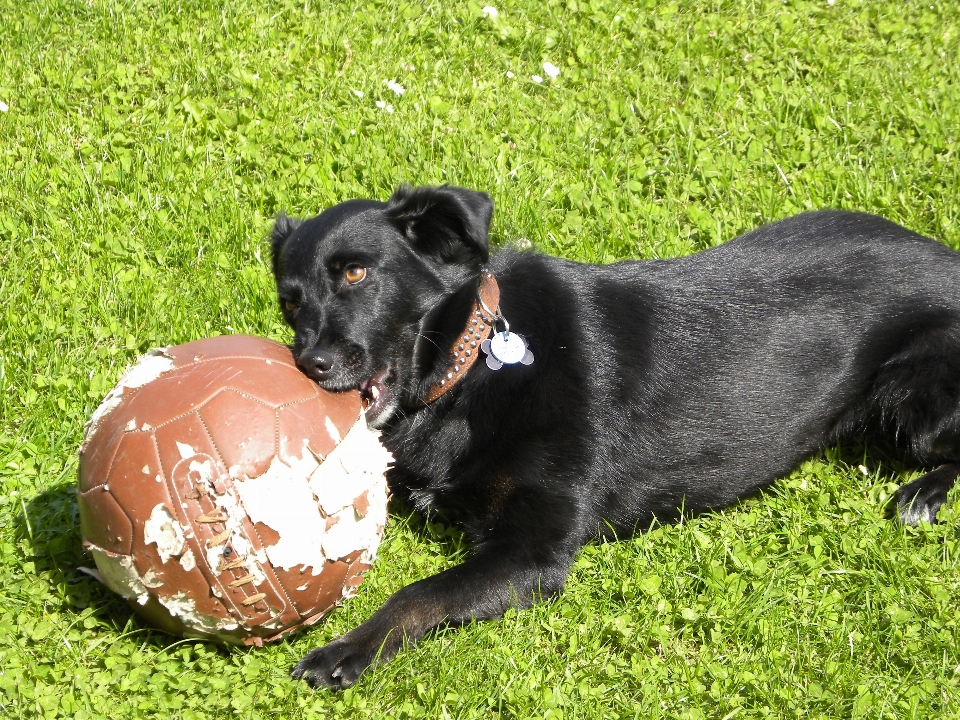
x=375 y=392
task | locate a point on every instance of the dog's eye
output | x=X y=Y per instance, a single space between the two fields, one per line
x=289 y=306
x=354 y=274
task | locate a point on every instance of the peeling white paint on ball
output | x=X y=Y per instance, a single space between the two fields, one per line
x=184 y=607
x=148 y=368
x=359 y=456
x=305 y=465
x=120 y=575
x=188 y=561
x=350 y=533
x=163 y=529
x=205 y=469
x=313 y=513
x=281 y=499
x=331 y=430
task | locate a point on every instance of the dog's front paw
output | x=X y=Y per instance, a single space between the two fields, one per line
x=336 y=665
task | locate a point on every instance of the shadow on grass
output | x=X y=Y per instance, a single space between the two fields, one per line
x=51 y=526
x=434 y=527
x=881 y=461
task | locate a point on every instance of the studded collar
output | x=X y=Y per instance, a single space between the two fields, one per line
x=466 y=347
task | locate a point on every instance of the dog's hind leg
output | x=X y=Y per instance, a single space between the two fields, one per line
x=920 y=500
x=918 y=395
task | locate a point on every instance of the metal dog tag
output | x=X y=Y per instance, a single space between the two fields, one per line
x=506 y=348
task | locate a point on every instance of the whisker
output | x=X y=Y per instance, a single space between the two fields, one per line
x=425 y=404
x=430 y=340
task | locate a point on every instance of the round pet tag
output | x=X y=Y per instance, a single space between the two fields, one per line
x=507 y=347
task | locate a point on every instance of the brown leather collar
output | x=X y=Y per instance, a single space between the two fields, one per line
x=466 y=348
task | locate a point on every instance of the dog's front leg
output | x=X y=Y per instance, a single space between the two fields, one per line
x=483 y=587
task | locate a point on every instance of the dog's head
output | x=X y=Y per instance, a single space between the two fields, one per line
x=377 y=291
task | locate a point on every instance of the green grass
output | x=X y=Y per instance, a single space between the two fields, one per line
x=146 y=146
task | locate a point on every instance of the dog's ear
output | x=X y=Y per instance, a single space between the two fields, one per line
x=448 y=222
x=283 y=228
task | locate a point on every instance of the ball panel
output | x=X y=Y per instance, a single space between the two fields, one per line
x=244 y=432
x=359 y=564
x=318 y=596
x=358 y=568
x=226 y=346
x=103 y=523
x=343 y=410
x=170 y=395
x=96 y=457
x=268 y=536
x=305 y=589
x=304 y=423
x=184 y=438
x=223 y=544
x=168 y=562
x=186 y=388
x=322 y=592
x=147 y=369
x=136 y=477
x=270 y=382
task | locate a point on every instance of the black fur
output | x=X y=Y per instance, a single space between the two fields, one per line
x=657 y=385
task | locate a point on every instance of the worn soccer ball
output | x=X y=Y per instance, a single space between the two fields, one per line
x=226 y=495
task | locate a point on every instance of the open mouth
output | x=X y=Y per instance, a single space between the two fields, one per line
x=374 y=393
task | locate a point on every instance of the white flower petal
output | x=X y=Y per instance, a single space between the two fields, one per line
x=490 y=12
x=509 y=74
x=358 y=93
x=551 y=70
x=3 y=106
x=380 y=104
x=395 y=86
x=536 y=78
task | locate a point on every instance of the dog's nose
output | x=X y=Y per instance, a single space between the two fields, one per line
x=316 y=362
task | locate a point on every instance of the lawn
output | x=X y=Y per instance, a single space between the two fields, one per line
x=144 y=148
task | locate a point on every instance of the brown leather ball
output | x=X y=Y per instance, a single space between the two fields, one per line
x=226 y=495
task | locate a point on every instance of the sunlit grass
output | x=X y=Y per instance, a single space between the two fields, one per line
x=146 y=145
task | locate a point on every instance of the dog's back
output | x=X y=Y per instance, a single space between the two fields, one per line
x=702 y=379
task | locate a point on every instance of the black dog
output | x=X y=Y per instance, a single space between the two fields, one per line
x=653 y=386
